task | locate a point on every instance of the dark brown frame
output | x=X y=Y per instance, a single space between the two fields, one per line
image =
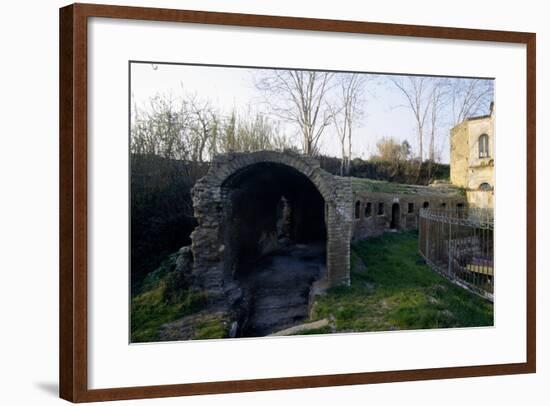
x=73 y=201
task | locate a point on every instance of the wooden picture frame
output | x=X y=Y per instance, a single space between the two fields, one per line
x=74 y=201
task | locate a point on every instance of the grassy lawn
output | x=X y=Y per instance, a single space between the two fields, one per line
x=392 y=289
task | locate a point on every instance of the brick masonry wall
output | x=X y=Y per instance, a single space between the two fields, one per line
x=213 y=254
x=339 y=219
x=374 y=224
x=209 y=202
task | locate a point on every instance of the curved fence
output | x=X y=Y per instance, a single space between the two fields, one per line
x=459 y=245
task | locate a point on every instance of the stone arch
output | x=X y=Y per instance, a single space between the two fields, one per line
x=395 y=222
x=485 y=186
x=210 y=199
x=357 y=210
x=368 y=209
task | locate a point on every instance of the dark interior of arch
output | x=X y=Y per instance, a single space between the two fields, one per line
x=268 y=204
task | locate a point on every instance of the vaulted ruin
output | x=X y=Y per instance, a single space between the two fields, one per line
x=252 y=204
x=275 y=221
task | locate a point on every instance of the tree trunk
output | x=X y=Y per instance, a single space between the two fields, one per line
x=348 y=163
x=432 y=146
x=420 y=143
x=343 y=162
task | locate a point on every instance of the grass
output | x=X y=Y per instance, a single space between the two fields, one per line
x=321 y=330
x=392 y=289
x=382 y=186
x=211 y=328
x=162 y=299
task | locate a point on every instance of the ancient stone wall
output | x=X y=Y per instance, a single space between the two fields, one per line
x=374 y=214
x=213 y=257
x=353 y=209
x=339 y=218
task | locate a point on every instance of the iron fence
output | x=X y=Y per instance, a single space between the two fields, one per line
x=459 y=245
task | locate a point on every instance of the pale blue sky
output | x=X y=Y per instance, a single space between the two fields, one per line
x=231 y=88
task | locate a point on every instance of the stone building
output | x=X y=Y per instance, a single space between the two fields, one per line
x=472 y=159
x=251 y=204
x=240 y=204
x=380 y=206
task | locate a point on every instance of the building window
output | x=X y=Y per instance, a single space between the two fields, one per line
x=483 y=146
x=368 y=209
x=460 y=206
x=411 y=208
x=485 y=186
x=380 y=208
x=357 y=209
x=443 y=205
x=426 y=205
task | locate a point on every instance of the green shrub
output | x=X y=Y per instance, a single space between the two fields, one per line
x=164 y=297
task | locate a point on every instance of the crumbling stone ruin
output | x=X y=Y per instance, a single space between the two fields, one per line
x=236 y=207
x=380 y=206
x=253 y=205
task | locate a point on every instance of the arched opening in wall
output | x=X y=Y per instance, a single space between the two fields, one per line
x=274 y=236
x=426 y=205
x=395 y=216
x=485 y=186
x=357 y=209
x=380 y=209
x=368 y=209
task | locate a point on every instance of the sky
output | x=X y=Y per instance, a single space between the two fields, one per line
x=232 y=88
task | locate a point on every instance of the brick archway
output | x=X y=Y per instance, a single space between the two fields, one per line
x=210 y=201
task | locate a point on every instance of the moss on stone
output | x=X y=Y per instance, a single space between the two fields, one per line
x=162 y=301
x=364 y=185
x=211 y=328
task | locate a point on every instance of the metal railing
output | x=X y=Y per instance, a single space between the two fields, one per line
x=459 y=245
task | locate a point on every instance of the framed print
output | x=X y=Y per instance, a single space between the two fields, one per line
x=255 y=202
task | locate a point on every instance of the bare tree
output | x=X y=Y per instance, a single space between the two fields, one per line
x=251 y=131
x=228 y=140
x=204 y=127
x=162 y=129
x=345 y=111
x=255 y=132
x=469 y=97
x=299 y=97
x=184 y=129
x=282 y=142
x=437 y=102
x=416 y=91
x=191 y=129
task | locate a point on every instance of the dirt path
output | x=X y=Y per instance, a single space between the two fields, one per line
x=279 y=288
